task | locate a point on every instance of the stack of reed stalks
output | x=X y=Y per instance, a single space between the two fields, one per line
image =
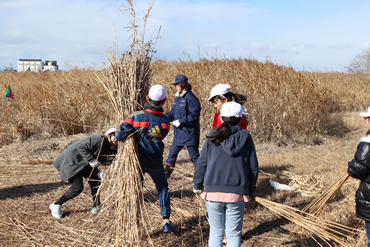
x=308 y=218
x=316 y=207
x=126 y=79
x=327 y=231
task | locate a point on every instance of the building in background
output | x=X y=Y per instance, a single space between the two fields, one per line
x=9 y=69
x=50 y=66
x=36 y=65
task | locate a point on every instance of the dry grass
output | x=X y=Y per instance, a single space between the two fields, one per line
x=28 y=189
x=285 y=106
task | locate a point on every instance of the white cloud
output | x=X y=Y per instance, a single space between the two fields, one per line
x=256 y=45
x=277 y=47
x=211 y=45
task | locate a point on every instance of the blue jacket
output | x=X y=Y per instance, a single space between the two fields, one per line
x=186 y=109
x=230 y=167
x=152 y=127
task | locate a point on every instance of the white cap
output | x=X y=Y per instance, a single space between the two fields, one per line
x=219 y=89
x=157 y=93
x=110 y=131
x=231 y=109
x=365 y=114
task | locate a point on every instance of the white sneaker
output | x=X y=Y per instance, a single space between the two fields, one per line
x=55 y=210
x=96 y=210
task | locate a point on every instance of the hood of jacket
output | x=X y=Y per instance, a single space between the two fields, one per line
x=366 y=138
x=233 y=144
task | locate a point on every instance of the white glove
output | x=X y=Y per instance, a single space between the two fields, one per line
x=176 y=123
x=245 y=113
x=95 y=163
x=196 y=191
x=101 y=175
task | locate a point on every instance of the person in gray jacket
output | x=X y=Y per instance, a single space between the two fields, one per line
x=81 y=159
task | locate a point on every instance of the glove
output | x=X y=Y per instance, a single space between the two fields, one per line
x=176 y=123
x=196 y=191
x=168 y=170
x=245 y=113
x=95 y=163
x=102 y=175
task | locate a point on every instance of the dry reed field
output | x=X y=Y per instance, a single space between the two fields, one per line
x=305 y=126
x=29 y=183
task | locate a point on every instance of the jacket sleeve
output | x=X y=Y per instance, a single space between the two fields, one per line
x=359 y=166
x=356 y=170
x=87 y=147
x=253 y=165
x=363 y=154
x=170 y=115
x=193 y=112
x=200 y=169
x=125 y=129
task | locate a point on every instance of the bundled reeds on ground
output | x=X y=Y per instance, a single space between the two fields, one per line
x=328 y=232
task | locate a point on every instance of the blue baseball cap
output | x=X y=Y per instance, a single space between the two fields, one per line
x=180 y=78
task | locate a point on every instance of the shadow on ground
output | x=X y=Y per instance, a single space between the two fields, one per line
x=28 y=190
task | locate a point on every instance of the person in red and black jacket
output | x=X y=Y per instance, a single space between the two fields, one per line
x=221 y=94
x=151 y=126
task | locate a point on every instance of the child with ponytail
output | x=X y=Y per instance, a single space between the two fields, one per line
x=221 y=94
x=228 y=170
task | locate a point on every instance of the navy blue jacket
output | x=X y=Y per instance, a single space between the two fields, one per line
x=230 y=167
x=152 y=127
x=186 y=109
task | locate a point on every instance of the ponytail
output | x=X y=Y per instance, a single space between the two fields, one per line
x=220 y=134
x=238 y=98
x=223 y=132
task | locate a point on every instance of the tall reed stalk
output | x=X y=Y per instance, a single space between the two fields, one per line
x=127 y=79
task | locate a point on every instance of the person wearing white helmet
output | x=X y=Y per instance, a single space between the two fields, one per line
x=220 y=94
x=227 y=169
x=80 y=160
x=150 y=126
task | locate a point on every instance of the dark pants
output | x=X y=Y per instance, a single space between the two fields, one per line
x=174 y=151
x=367 y=227
x=160 y=180
x=77 y=185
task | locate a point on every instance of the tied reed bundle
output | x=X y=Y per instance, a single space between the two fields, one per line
x=127 y=80
x=325 y=230
x=317 y=206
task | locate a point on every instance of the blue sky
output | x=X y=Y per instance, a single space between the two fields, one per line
x=312 y=35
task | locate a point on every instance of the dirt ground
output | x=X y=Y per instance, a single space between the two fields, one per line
x=29 y=183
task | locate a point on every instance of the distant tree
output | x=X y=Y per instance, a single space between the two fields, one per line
x=360 y=64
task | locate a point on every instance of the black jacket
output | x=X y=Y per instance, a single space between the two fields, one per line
x=231 y=167
x=359 y=168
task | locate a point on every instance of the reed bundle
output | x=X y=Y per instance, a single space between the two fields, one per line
x=328 y=232
x=316 y=207
x=127 y=79
x=124 y=197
